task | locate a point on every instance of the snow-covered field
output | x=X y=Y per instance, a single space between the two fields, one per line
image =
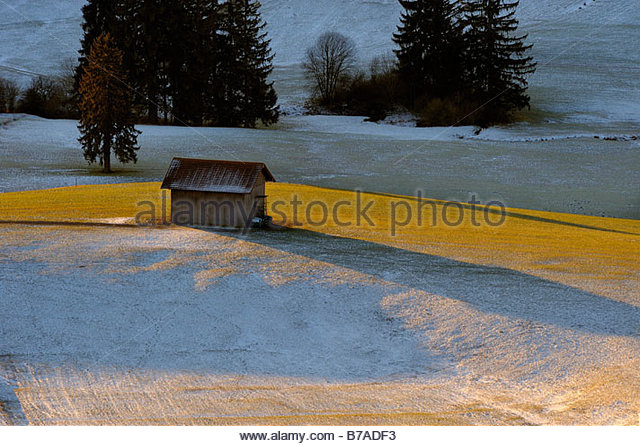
x=126 y=325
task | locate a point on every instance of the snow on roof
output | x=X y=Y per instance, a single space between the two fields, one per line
x=233 y=177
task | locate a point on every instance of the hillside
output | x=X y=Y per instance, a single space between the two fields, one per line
x=532 y=322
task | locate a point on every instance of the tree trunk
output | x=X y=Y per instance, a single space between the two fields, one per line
x=106 y=155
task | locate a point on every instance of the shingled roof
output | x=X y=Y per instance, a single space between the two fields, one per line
x=232 y=177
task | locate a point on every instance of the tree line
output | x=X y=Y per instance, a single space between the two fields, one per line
x=50 y=97
x=189 y=62
x=456 y=62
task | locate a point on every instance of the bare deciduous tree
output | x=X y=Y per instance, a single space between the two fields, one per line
x=327 y=62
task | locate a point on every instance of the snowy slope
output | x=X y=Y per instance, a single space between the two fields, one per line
x=35 y=35
x=312 y=309
x=294 y=24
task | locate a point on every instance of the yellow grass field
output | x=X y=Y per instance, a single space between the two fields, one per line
x=595 y=254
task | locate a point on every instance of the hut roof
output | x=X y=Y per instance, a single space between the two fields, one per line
x=233 y=177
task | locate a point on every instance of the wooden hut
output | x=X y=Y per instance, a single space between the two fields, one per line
x=217 y=193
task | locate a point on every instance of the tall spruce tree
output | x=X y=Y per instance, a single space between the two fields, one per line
x=106 y=123
x=248 y=95
x=138 y=29
x=429 y=52
x=213 y=80
x=496 y=59
x=149 y=24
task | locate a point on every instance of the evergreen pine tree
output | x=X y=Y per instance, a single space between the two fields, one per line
x=430 y=46
x=106 y=122
x=496 y=60
x=248 y=95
